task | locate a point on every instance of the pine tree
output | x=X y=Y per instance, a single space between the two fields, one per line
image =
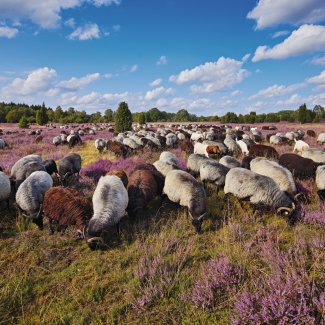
x=23 y=122
x=123 y=118
x=41 y=116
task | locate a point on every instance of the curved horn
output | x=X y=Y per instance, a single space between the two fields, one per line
x=95 y=240
x=279 y=210
x=201 y=216
x=293 y=206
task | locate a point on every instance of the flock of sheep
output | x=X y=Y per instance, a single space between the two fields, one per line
x=262 y=177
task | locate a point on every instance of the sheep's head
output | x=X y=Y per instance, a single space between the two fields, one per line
x=93 y=233
x=285 y=211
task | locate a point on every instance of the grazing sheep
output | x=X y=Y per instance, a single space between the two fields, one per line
x=27 y=170
x=196 y=136
x=3 y=144
x=205 y=150
x=5 y=188
x=143 y=187
x=231 y=144
x=300 y=167
x=243 y=146
x=221 y=146
x=171 y=140
x=311 y=133
x=213 y=172
x=259 y=189
x=169 y=158
x=130 y=143
x=57 y=140
x=194 y=162
x=100 y=144
x=278 y=140
x=315 y=154
x=120 y=174
x=118 y=149
x=182 y=188
x=320 y=182
x=64 y=138
x=300 y=146
x=50 y=166
x=281 y=175
x=321 y=138
x=30 y=195
x=38 y=139
x=69 y=165
x=261 y=150
x=163 y=167
x=229 y=162
x=74 y=139
x=66 y=207
x=110 y=200
x=245 y=163
x=145 y=167
x=22 y=161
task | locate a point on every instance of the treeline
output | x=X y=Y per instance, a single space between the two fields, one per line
x=13 y=113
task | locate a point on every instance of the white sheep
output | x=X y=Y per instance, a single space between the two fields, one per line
x=5 y=188
x=320 y=181
x=243 y=146
x=259 y=189
x=57 y=140
x=222 y=147
x=130 y=143
x=30 y=195
x=321 y=138
x=281 y=175
x=300 y=146
x=182 y=188
x=110 y=201
x=229 y=162
x=196 y=136
x=205 y=149
x=100 y=144
x=315 y=154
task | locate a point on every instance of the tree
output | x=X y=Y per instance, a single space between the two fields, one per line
x=23 y=122
x=123 y=118
x=109 y=115
x=41 y=116
x=142 y=118
x=182 y=116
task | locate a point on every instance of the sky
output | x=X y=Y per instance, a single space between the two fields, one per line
x=209 y=57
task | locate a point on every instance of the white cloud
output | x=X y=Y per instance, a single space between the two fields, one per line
x=280 y=33
x=116 y=28
x=70 y=23
x=245 y=57
x=134 y=68
x=293 y=101
x=155 y=93
x=86 y=32
x=46 y=14
x=318 y=80
x=277 y=91
x=155 y=83
x=236 y=93
x=8 y=32
x=77 y=83
x=38 y=80
x=273 y=12
x=214 y=76
x=162 y=60
x=318 y=60
x=306 y=39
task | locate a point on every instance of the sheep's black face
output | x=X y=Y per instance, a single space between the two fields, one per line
x=321 y=194
x=94 y=228
x=39 y=222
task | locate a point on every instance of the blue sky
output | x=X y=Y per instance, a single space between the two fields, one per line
x=207 y=56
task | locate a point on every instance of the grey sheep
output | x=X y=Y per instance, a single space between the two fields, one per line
x=281 y=175
x=213 y=172
x=229 y=162
x=259 y=189
x=30 y=195
x=26 y=170
x=320 y=181
x=22 y=161
x=57 y=140
x=164 y=167
x=69 y=165
x=110 y=201
x=194 y=162
x=171 y=140
x=182 y=188
x=100 y=144
x=5 y=188
x=169 y=158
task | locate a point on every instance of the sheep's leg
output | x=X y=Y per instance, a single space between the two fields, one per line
x=118 y=229
x=7 y=201
x=51 y=227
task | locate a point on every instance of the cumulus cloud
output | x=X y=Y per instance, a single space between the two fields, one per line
x=37 y=81
x=70 y=23
x=306 y=39
x=318 y=80
x=46 y=14
x=86 y=32
x=162 y=60
x=280 y=33
x=155 y=83
x=213 y=76
x=77 y=83
x=294 y=100
x=8 y=32
x=277 y=91
x=318 y=60
x=155 y=93
x=273 y=12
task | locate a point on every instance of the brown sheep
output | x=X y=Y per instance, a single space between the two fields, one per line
x=261 y=150
x=145 y=167
x=143 y=187
x=38 y=139
x=64 y=207
x=311 y=133
x=118 y=149
x=121 y=174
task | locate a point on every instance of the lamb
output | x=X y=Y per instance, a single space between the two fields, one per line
x=300 y=167
x=182 y=188
x=213 y=172
x=5 y=188
x=281 y=175
x=100 y=144
x=143 y=187
x=229 y=162
x=300 y=146
x=110 y=201
x=321 y=138
x=260 y=150
x=66 y=207
x=121 y=175
x=259 y=189
x=205 y=150
x=30 y=195
x=320 y=182
x=69 y=165
x=314 y=154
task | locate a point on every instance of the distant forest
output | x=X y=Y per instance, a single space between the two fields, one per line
x=13 y=113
